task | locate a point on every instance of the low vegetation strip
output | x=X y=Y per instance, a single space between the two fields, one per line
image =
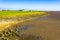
x=16 y=14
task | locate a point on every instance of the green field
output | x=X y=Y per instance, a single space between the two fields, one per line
x=10 y=14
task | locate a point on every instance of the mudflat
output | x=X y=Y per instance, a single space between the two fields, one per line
x=47 y=27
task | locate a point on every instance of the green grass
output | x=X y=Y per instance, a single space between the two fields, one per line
x=9 y=14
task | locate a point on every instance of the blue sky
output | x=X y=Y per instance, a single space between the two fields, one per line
x=30 y=4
